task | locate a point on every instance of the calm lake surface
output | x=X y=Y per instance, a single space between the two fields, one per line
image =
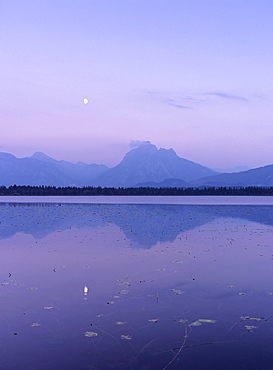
x=111 y=284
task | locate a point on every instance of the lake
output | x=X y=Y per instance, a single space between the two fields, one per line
x=129 y=283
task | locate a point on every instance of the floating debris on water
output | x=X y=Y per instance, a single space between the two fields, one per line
x=177 y=291
x=250 y=328
x=202 y=321
x=195 y=323
x=126 y=336
x=126 y=283
x=251 y=318
x=90 y=334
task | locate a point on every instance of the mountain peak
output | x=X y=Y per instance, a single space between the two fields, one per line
x=140 y=152
x=41 y=156
x=146 y=163
x=170 y=153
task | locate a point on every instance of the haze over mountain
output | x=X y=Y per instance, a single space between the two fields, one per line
x=81 y=172
x=144 y=165
x=147 y=163
x=262 y=176
x=168 y=183
x=232 y=169
x=29 y=171
x=43 y=170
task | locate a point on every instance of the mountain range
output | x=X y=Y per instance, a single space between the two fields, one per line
x=142 y=166
x=40 y=169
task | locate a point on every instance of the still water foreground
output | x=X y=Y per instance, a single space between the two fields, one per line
x=118 y=286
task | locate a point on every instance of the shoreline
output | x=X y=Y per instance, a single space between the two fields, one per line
x=142 y=199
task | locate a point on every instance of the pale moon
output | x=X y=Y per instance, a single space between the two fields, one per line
x=85 y=101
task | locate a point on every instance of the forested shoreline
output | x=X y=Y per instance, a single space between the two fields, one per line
x=150 y=191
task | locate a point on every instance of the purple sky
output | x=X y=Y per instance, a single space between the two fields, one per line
x=192 y=75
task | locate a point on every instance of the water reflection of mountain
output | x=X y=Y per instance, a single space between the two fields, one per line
x=144 y=225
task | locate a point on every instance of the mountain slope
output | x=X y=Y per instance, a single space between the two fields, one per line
x=143 y=166
x=262 y=176
x=147 y=163
x=82 y=172
x=168 y=183
x=30 y=171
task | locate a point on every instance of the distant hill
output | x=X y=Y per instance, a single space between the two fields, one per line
x=262 y=176
x=30 y=171
x=168 y=183
x=232 y=170
x=146 y=163
x=82 y=173
x=43 y=170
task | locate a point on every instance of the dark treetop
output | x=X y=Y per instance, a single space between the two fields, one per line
x=90 y=190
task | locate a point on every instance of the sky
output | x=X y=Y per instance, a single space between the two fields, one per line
x=192 y=75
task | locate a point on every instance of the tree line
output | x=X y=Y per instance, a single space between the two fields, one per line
x=91 y=191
